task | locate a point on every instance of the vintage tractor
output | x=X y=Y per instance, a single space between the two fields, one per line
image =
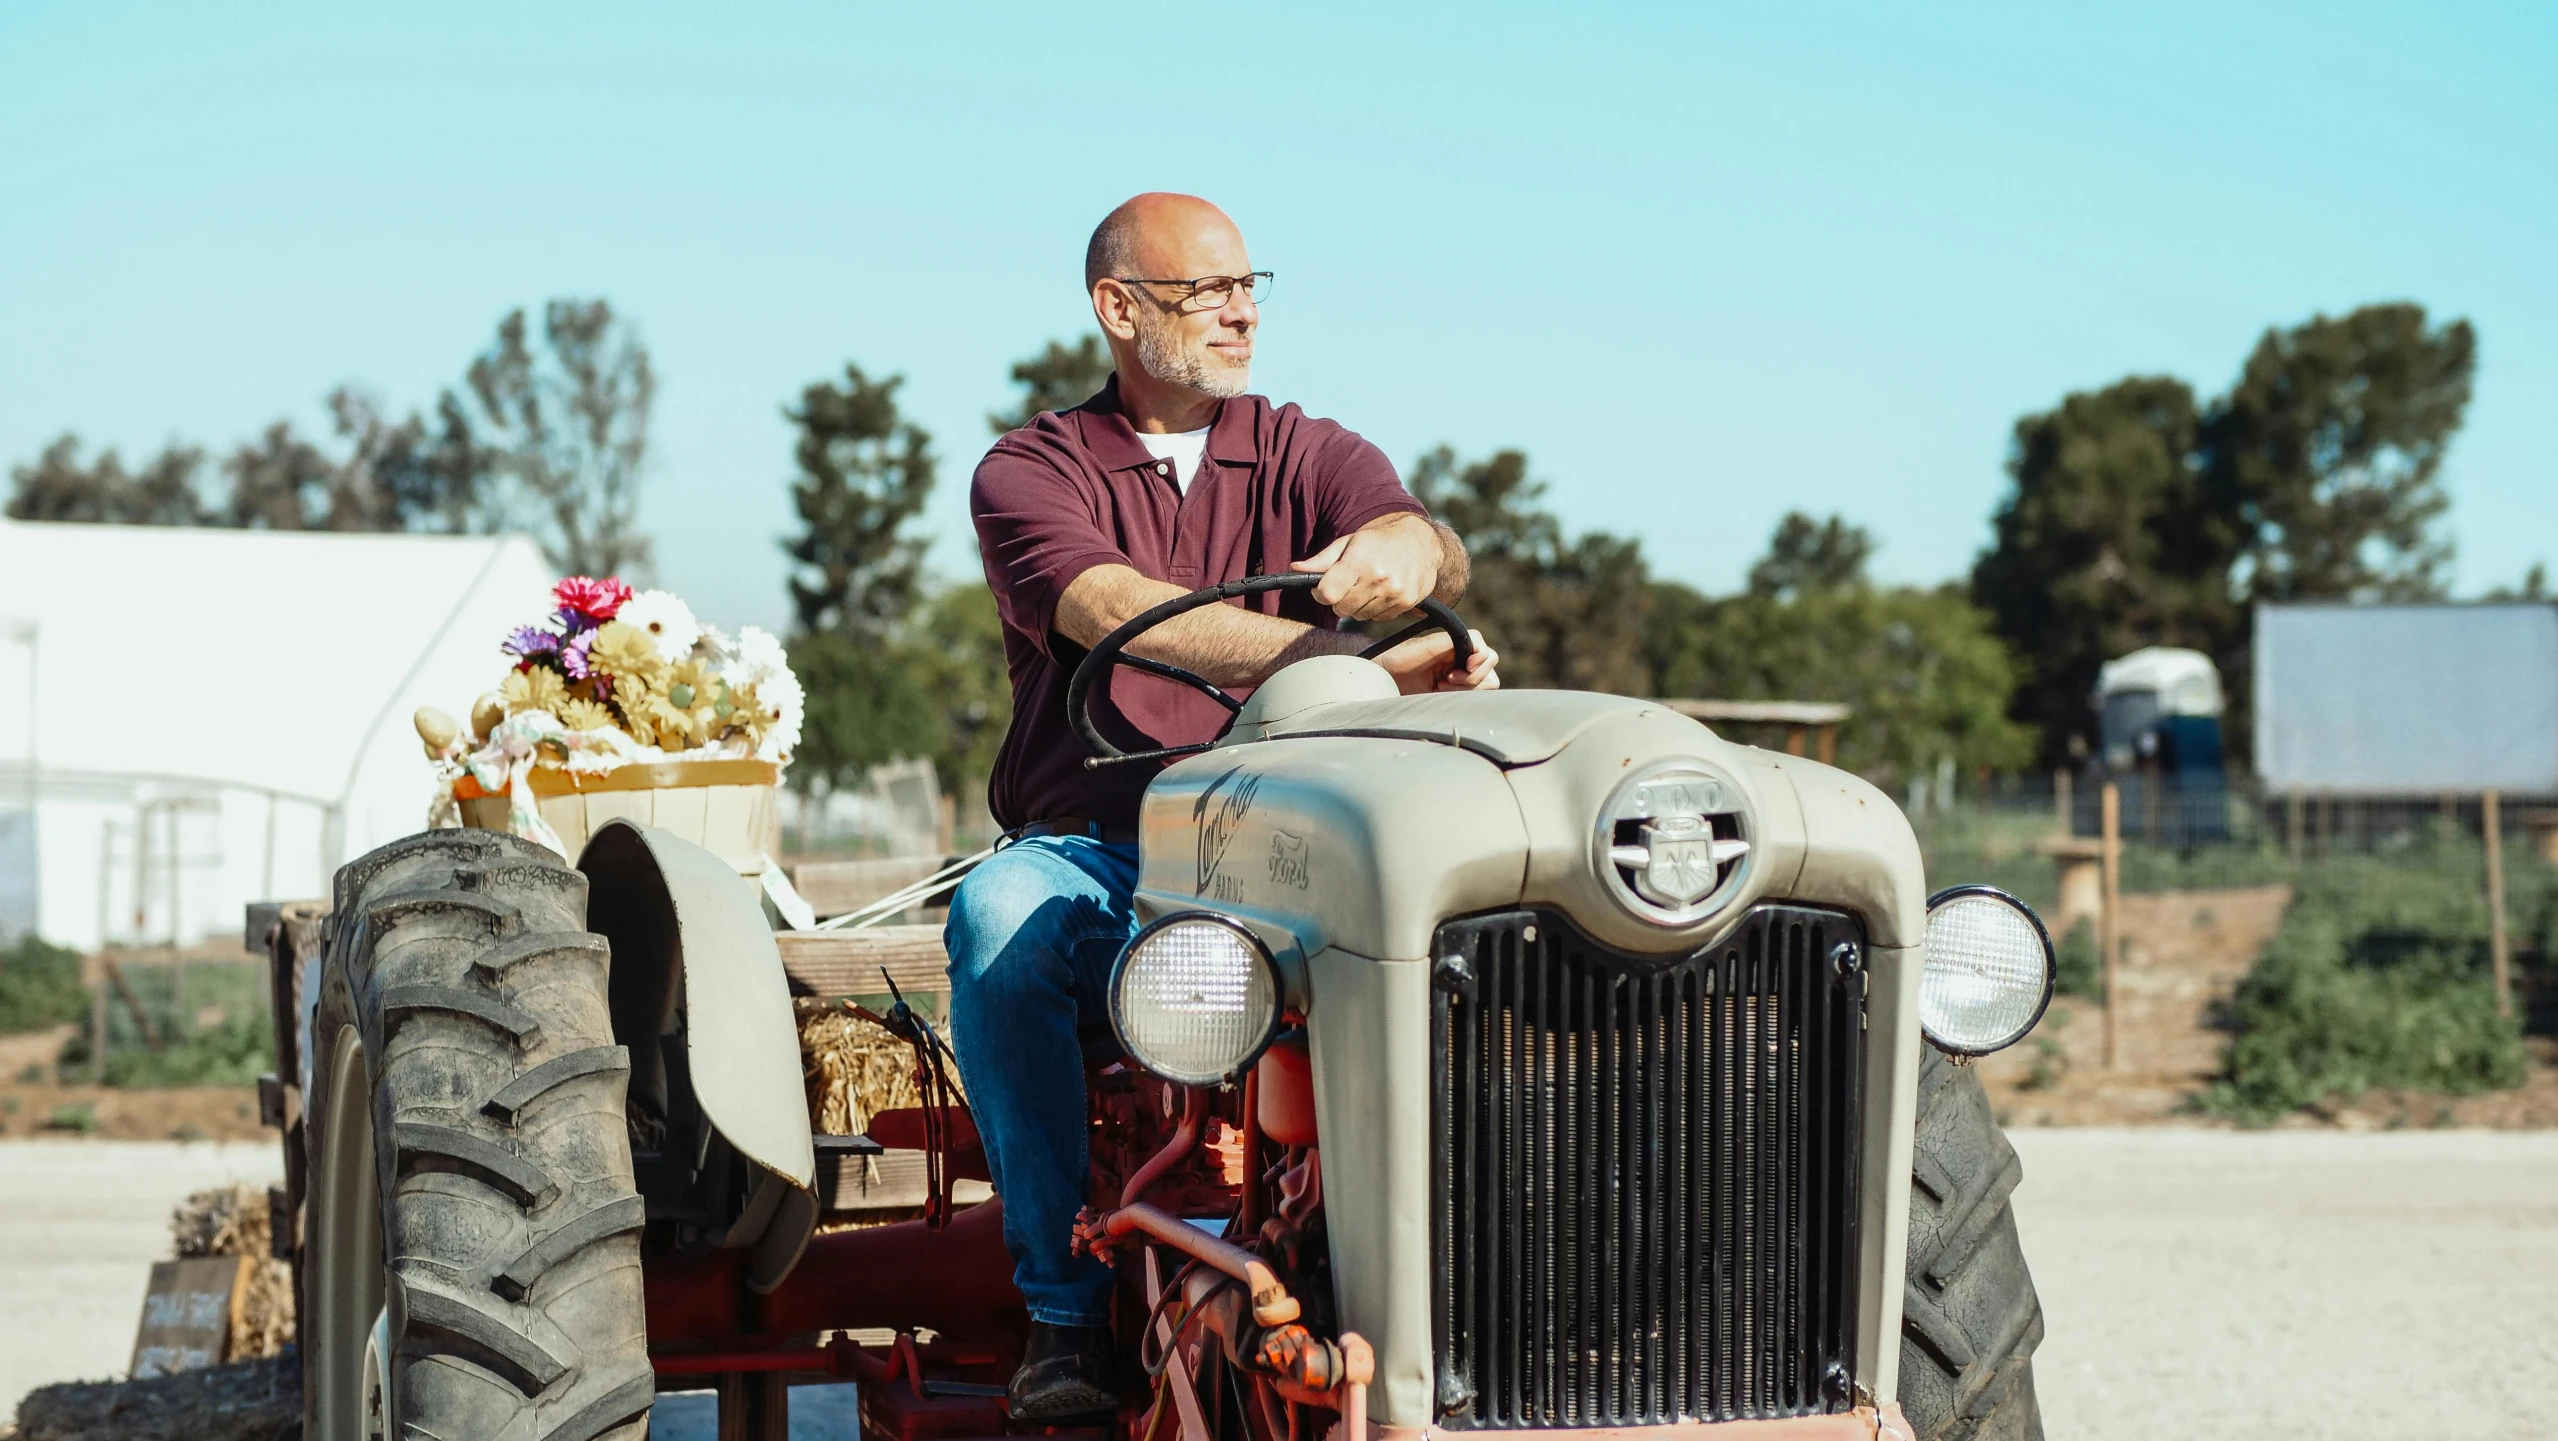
x=1524 y=1061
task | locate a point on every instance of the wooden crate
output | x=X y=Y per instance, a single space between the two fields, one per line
x=828 y=964
x=832 y=888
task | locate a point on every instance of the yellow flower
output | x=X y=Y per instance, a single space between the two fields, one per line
x=580 y=714
x=537 y=689
x=658 y=721
x=748 y=718
x=693 y=693
x=628 y=654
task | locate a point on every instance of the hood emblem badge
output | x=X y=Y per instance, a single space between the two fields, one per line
x=1679 y=859
x=1664 y=849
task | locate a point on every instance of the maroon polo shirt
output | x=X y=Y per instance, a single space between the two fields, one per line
x=1075 y=489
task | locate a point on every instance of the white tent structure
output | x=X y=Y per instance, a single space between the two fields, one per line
x=198 y=719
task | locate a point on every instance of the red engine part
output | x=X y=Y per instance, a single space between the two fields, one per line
x=1190 y=1153
x=1284 y=1086
x=956 y=1282
x=904 y=1130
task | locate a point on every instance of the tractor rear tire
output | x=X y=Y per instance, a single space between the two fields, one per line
x=1970 y=1320
x=474 y=1229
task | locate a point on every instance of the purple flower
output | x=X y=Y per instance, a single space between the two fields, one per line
x=573 y=656
x=530 y=641
x=575 y=622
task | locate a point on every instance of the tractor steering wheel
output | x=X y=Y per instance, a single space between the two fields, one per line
x=1112 y=651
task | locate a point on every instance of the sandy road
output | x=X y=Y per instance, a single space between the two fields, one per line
x=2293 y=1284
x=80 y=1224
x=2195 y=1283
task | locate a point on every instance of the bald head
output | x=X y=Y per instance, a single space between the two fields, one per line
x=1176 y=349
x=1155 y=234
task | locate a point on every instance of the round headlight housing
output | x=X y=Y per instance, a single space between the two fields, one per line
x=1988 y=971
x=1195 y=998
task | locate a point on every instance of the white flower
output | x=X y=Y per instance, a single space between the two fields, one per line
x=759 y=654
x=715 y=649
x=781 y=691
x=664 y=616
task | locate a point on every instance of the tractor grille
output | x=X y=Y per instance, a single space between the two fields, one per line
x=1650 y=1213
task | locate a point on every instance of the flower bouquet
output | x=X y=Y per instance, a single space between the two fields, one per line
x=623 y=705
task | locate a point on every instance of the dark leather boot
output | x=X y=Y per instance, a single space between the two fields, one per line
x=1065 y=1371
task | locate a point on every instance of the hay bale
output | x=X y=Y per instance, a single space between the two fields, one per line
x=854 y=1069
x=248 y=1401
x=232 y=1221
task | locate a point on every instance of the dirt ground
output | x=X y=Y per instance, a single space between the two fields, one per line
x=2194 y=1283
x=2308 y=1285
x=32 y=1104
x=2183 y=955
x=81 y=1221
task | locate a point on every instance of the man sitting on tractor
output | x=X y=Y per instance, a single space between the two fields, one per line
x=1172 y=478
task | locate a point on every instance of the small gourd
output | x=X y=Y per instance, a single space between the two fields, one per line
x=438 y=730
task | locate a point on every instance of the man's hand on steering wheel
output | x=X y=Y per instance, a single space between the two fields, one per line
x=1420 y=665
x=1385 y=570
x=1377 y=571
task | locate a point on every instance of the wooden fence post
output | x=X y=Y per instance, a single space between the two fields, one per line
x=2498 y=950
x=2110 y=851
x=98 y=1021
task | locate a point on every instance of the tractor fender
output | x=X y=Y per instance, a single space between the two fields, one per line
x=690 y=941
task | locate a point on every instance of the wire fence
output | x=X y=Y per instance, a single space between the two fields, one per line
x=2027 y=834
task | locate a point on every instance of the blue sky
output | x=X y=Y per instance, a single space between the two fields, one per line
x=1704 y=266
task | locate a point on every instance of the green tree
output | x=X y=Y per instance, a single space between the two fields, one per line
x=864 y=474
x=2535 y=585
x=1563 y=612
x=2328 y=453
x=2141 y=518
x=394 y=475
x=282 y=482
x=2105 y=544
x=61 y=486
x=1057 y=378
x=564 y=427
x=1807 y=555
x=956 y=650
x=866 y=705
x=1920 y=668
x=434 y=477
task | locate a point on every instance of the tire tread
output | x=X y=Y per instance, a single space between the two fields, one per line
x=1970 y=1319
x=461 y=960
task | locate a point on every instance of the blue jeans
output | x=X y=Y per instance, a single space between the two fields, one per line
x=1032 y=935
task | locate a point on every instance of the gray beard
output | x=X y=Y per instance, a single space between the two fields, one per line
x=1161 y=355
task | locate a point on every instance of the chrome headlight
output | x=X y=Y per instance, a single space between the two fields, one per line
x=1672 y=842
x=1195 y=998
x=1988 y=973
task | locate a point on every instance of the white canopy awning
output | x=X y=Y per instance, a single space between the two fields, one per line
x=146 y=657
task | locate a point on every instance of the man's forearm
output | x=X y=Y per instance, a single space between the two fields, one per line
x=1226 y=645
x=1454 y=568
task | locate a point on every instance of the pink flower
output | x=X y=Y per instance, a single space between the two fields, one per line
x=589 y=596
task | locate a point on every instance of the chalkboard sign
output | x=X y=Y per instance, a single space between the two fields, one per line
x=186 y=1315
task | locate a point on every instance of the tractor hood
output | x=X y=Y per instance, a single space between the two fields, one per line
x=1508 y=728
x=1362 y=823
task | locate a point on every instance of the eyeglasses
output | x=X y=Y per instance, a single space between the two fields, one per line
x=1211 y=292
